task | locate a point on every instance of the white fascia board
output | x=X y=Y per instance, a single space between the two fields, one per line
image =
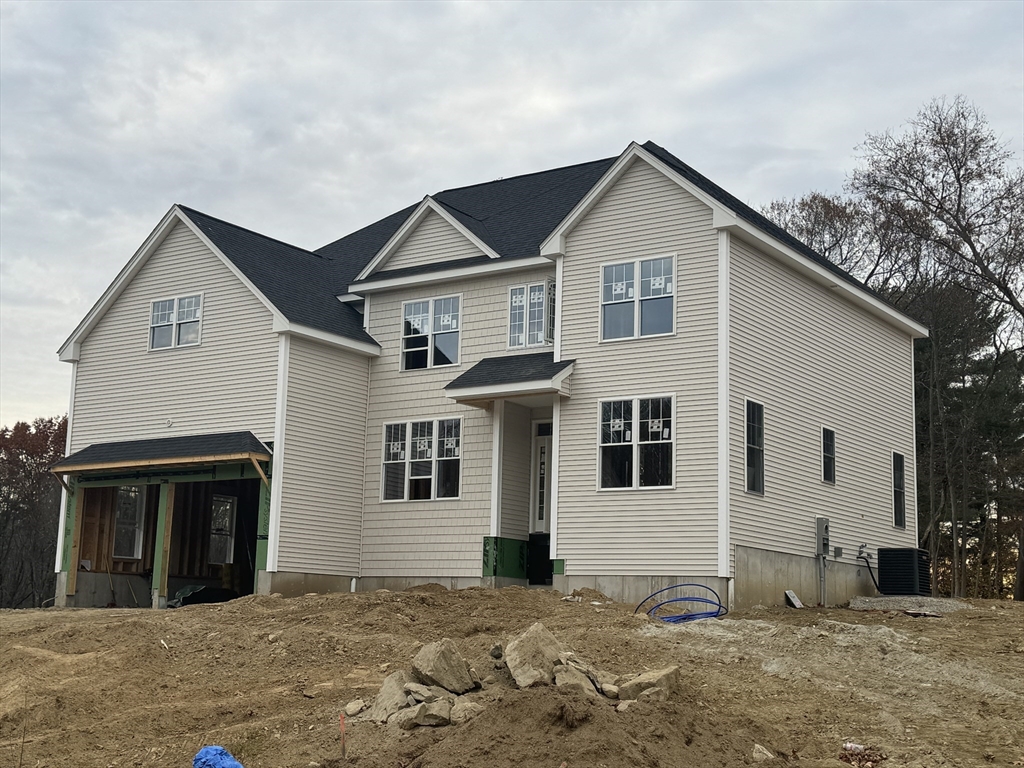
x=70 y=350
x=748 y=233
x=401 y=235
x=349 y=298
x=562 y=375
x=495 y=391
x=446 y=275
x=304 y=331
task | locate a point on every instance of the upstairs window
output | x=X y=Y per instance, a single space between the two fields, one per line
x=430 y=333
x=531 y=315
x=175 y=322
x=899 y=492
x=421 y=460
x=629 y=311
x=636 y=443
x=828 y=455
x=755 y=447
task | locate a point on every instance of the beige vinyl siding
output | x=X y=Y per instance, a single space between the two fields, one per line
x=228 y=383
x=515 y=472
x=814 y=360
x=640 y=532
x=324 y=441
x=433 y=240
x=442 y=537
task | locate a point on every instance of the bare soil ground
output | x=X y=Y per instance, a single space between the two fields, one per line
x=267 y=677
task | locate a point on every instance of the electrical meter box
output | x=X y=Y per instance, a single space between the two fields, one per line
x=821 y=535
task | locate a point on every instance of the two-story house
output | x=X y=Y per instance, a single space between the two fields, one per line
x=613 y=375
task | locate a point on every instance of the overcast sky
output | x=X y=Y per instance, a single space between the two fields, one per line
x=307 y=121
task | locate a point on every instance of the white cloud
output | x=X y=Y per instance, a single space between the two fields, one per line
x=306 y=121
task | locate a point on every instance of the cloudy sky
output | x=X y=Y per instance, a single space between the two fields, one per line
x=307 y=121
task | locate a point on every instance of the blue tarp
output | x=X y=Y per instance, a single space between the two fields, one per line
x=215 y=757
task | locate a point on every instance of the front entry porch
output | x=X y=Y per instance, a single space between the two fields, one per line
x=523 y=393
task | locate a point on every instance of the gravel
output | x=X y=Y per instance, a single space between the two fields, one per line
x=909 y=603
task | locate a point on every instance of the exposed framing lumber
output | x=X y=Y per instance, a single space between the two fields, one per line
x=259 y=469
x=172 y=462
x=76 y=543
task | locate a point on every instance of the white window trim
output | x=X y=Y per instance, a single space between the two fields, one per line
x=635 y=442
x=636 y=301
x=764 y=451
x=835 y=453
x=408 y=422
x=140 y=526
x=430 y=335
x=548 y=284
x=174 y=322
x=892 y=490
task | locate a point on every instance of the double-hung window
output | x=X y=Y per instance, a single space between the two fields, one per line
x=129 y=522
x=531 y=314
x=755 y=447
x=828 y=455
x=430 y=333
x=636 y=443
x=421 y=460
x=899 y=492
x=629 y=311
x=175 y=322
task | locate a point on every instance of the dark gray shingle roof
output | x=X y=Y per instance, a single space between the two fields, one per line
x=298 y=282
x=511 y=369
x=219 y=444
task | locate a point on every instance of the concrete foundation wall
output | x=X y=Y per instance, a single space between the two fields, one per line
x=633 y=589
x=763 y=576
x=98 y=590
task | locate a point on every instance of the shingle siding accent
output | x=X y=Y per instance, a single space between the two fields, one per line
x=433 y=240
x=515 y=473
x=228 y=383
x=641 y=532
x=442 y=538
x=325 y=437
x=815 y=360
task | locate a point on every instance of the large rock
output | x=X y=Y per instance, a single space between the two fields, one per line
x=668 y=679
x=532 y=656
x=574 y=680
x=428 y=694
x=463 y=711
x=391 y=697
x=441 y=664
x=436 y=713
x=406 y=718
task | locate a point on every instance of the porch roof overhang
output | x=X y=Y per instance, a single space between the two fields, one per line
x=512 y=376
x=188 y=450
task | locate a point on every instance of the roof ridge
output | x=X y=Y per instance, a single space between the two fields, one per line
x=525 y=175
x=253 y=232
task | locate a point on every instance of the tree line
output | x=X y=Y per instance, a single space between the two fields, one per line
x=932 y=220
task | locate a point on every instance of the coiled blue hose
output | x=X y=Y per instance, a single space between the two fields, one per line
x=719 y=609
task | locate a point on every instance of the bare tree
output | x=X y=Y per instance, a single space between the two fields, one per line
x=946 y=179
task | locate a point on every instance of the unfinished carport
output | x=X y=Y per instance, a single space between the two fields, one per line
x=144 y=518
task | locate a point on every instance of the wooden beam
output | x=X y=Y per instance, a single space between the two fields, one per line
x=166 y=550
x=178 y=461
x=259 y=469
x=76 y=543
x=64 y=485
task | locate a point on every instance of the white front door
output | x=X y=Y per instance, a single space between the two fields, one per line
x=540 y=486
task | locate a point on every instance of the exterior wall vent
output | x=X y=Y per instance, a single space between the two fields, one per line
x=904 y=572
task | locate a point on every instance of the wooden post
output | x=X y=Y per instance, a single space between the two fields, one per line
x=77 y=503
x=162 y=551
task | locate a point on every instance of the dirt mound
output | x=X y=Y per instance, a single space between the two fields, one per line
x=267 y=677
